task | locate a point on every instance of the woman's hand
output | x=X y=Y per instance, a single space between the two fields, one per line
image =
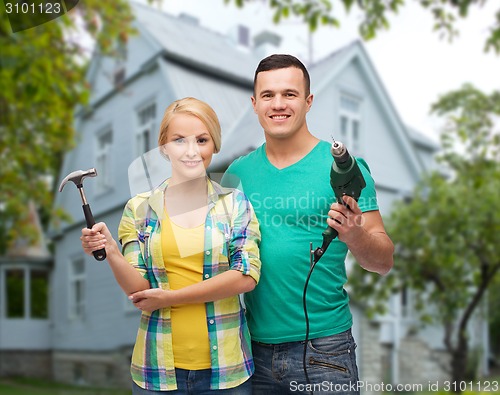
x=96 y=238
x=150 y=299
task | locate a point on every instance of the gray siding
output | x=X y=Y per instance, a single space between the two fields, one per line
x=107 y=324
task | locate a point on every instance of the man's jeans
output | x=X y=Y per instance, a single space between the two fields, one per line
x=195 y=382
x=330 y=361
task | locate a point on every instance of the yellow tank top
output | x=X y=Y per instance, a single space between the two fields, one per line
x=182 y=250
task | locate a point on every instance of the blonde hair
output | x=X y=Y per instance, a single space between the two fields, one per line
x=196 y=108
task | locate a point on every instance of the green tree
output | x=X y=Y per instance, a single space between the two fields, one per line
x=375 y=14
x=494 y=315
x=42 y=81
x=446 y=236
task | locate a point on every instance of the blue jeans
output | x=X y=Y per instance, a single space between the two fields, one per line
x=330 y=361
x=195 y=382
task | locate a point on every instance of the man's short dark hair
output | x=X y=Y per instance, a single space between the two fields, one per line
x=281 y=61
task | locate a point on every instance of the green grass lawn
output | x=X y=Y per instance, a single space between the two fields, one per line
x=20 y=386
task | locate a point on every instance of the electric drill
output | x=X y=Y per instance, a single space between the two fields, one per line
x=345 y=179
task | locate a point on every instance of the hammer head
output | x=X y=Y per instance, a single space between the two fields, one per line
x=77 y=177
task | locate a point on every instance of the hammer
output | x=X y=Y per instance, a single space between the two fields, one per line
x=77 y=177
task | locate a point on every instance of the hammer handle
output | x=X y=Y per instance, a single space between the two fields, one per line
x=100 y=255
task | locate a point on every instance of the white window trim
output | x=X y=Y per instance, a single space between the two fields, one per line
x=140 y=128
x=27 y=269
x=355 y=147
x=104 y=181
x=72 y=279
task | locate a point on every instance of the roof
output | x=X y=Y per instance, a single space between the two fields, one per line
x=206 y=64
x=23 y=248
x=197 y=46
x=422 y=140
x=189 y=46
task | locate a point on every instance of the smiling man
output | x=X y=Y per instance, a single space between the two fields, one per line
x=287 y=181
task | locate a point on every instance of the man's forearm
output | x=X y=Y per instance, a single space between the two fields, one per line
x=374 y=252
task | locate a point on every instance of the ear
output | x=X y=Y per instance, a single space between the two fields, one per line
x=254 y=103
x=309 y=101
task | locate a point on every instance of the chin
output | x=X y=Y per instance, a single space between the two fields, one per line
x=279 y=135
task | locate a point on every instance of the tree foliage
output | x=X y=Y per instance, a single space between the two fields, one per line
x=446 y=236
x=376 y=14
x=494 y=316
x=42 y=81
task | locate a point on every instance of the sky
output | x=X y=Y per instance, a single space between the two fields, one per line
x=415 y=65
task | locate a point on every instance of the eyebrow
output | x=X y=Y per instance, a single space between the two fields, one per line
x=283 y=91
x=177 y=134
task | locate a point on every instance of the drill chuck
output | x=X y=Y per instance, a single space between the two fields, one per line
x=340 y=155
x=337 y=149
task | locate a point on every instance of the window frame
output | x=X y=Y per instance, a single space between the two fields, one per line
x=352 y=138
x=103 y=160
x=27 y=270
x=77 y=309
x=144 y=126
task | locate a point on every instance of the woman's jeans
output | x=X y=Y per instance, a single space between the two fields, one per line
x=195 y=382
x=330 y=361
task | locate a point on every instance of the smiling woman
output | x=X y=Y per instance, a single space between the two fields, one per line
x=190 y=247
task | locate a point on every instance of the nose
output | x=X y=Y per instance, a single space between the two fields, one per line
x=278 y=103
x=192 y=148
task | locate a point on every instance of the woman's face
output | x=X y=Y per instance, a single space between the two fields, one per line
x=189 y=146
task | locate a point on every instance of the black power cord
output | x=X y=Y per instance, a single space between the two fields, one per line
x=328 y=236
x=304 y=304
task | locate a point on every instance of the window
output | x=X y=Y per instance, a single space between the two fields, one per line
x=119 y=77
x=103 y=160
x=39 y=285
x=26 y=293
x=120 y=60
x=77 y=289
x=350 y=123
x=145 y=128
x=15 y=293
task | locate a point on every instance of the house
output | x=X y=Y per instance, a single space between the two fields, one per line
x=25 y=327
x=92 y=324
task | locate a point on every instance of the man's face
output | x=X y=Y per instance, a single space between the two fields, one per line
x=280 y=102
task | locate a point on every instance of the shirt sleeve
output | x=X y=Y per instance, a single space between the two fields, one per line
x=130 y=239
x=368 y=199
x=245 y=238
x=230 y=179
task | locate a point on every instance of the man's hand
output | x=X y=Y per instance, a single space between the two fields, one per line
x=364 y=235
x=347 y=220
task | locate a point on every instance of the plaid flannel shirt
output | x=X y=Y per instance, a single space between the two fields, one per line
x=231 y=230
